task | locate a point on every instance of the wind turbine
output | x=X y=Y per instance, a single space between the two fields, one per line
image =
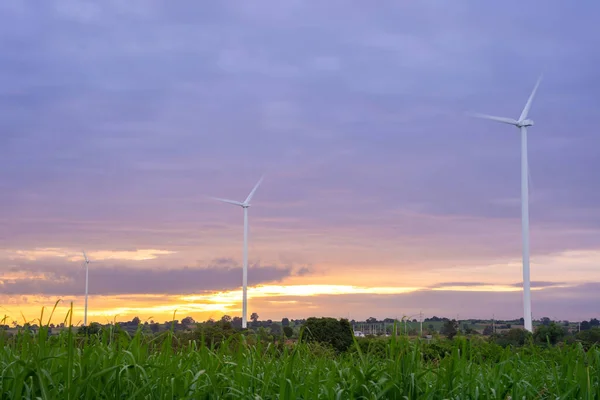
x=86 y=262
x=523 y=123
x=245 y=205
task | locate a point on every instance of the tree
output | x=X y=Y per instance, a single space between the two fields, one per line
x=549 y=333
x=288 y=331
x=594 y=322
x=371 y=320
x=488 y=330
x=514 y=337
x=468 y=330
x=589 y=337
x=135 y=321
x=450 y=328
x=254 y=317
x=188 y=321
x=328 y=331
x=546 y=321
x=214 y=333
x=237 y=322
x=92 y=329
x=226 y=318
x=275 y=329
x=585 y=325
x=154 y=327
x=285 y=322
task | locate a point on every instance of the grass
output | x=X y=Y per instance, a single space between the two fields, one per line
x=115 y=365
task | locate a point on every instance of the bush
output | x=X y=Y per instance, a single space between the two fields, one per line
x=549 y=333
x=436 y=350
x=213 y=333
x=337 y=334
x=589 y=337
x=450 y=329
x=514 y=337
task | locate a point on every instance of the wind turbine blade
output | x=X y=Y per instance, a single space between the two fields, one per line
x=530 y=100
x=509 y=121
x=85 y=256
x=247 y=201
x=237 y=203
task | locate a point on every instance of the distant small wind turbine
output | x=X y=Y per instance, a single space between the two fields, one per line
x=86 y=262
x=245 y=205
x=522 y=123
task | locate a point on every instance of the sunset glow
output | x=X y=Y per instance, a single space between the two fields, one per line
x=380 y=196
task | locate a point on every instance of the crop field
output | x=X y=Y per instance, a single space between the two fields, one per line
x=113 y=364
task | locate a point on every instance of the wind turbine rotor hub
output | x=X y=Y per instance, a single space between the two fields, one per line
x=525 y=123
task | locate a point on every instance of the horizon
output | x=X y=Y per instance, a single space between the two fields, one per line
x=381 y=197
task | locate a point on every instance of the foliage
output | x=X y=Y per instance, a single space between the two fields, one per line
x=550 y=333
x=331 y=331
x=513 y=337
x=92 y=329
x=113 y=364
x=212 y=334
x=276 y=330
x=450 y=328
x=288 y=331
x=488 y=330
x=589 y=337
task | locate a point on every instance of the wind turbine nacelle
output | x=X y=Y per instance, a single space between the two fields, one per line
x=526 y=122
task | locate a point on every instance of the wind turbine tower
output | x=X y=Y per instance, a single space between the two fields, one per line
x=86 y=262
x=522 y=124
x=245 y=205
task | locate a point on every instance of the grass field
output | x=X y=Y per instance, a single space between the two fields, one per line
x=110 y=366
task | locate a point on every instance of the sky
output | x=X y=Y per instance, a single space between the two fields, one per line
x=381 y=197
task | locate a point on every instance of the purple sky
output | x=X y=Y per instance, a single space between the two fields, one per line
x=117 y=118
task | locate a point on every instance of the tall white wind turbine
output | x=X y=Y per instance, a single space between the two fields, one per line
x=523 y=123
x=245 y=205
x=86 y=262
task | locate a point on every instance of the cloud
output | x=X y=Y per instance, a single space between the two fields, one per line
x=534 y=284
x=356 y=113
x=73 y=255
x=447 y=284
x=58 y=280
x=571 y=303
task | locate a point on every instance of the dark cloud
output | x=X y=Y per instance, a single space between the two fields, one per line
x=304 y=271
x=448 y=284
x=116 y=280
x=535 y=284
x=540 y=284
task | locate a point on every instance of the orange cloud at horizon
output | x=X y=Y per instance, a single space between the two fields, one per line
x=161 y=308
x=294 y=294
